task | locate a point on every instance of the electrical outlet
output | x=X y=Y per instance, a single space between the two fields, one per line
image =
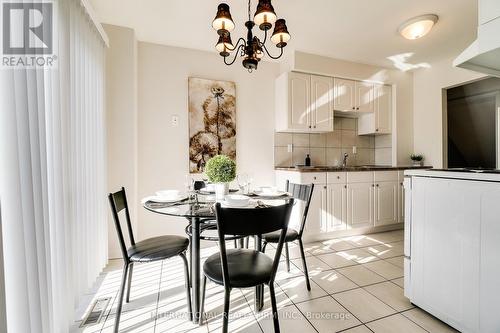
x=354 y=150
x=289 y=148
x=175 y=120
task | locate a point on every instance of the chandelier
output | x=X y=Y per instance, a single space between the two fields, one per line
x=252 y=49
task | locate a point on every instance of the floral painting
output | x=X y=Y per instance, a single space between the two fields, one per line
x=212 y=121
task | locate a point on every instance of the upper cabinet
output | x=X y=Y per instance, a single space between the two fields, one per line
x=380 y=121
x=353 y=97
x=304 y=103
x=321 y=103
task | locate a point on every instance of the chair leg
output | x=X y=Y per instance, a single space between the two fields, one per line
x=127 y=298
x=202 y=306
x=120 y=297
x=247 y=242
x=304 y=264
x=235 y=243
x=275 y=308
x=188 y=288
x=264 y=247
x=287 y=254
x=225 y=314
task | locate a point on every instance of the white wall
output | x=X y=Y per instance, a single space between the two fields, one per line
x=428 y=107
x=121 y=119
x=402 y=136
x=163 y=149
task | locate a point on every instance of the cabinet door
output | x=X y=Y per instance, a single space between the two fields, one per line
x=386 y=203
x=317 y=217
x=321 y=103
x=365 y=97
x=337 y=207
x=383 y=110
x=360 y=205
x=299 y=93
x=343 y=95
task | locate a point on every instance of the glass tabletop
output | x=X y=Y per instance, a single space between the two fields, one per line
x=199 y=205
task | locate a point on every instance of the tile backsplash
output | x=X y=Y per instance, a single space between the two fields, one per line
x=329 y=148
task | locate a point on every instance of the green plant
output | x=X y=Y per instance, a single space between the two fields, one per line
x=220 y=169
x=417 y=157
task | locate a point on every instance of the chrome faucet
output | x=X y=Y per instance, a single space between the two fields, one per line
x=344 y=160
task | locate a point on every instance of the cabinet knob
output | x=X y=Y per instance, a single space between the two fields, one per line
x=402 y=184
x=324 y=187
x=373 y=185
x=314 y=177
x=353 y=108
x=309 y=126
x=377 y=185
x=345 y=186
x=357 y=108
x=338 y=177
x=376 y=130
x=314 y=126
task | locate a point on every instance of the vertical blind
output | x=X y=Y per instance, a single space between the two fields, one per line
x=53 y=177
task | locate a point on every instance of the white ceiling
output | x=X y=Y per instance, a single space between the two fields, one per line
x=357 y=30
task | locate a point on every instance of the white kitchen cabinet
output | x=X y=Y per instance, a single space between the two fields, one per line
x=317 y=217
x=304 y=103
x=380 y=121
x=337 y=207
x=344 y=95
x=386 y=203
x=360 y=205
x=365 y=97
x=354 y=97
x=321 y=103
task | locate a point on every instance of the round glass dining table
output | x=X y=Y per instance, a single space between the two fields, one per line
x=199 y=211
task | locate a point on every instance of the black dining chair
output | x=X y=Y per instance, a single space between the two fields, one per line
x=301 y=192
x=244 y=268
x=148 y=250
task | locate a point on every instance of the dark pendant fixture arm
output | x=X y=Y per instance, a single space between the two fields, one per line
x=269 y=54
x=238 y=50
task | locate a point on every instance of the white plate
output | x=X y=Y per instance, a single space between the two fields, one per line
x=251 y=204
x=159 y=199
x=270 y=194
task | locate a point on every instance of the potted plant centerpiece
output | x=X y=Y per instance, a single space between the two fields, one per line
x=221 y=170
x=417 y=159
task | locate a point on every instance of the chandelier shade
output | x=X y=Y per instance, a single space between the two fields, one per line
x=223 y=22
x=224 y=45
x=265 y=16
x=280 y=35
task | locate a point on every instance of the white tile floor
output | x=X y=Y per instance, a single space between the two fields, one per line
x=356 y=287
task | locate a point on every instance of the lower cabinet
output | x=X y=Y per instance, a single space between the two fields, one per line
x=317 y=217
x=360 y=204
x=336 y=207
x=340 y=202
x=386 y=203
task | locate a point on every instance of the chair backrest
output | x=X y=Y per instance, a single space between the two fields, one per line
x=118 y=202
x=199 y=184
x=302 y=192
x=248 y=222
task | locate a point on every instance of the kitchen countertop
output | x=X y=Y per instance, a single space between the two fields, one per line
x=350 y=168
x=484 y=175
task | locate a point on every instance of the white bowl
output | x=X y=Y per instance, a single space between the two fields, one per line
x=237 y=200
x=168 y=193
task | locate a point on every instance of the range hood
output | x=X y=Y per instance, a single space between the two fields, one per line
x=483 y=55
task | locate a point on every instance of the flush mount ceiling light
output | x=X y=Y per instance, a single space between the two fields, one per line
x=418 y=26
x=252 y=49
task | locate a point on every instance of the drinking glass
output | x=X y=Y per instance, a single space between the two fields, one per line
x=242 y=179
